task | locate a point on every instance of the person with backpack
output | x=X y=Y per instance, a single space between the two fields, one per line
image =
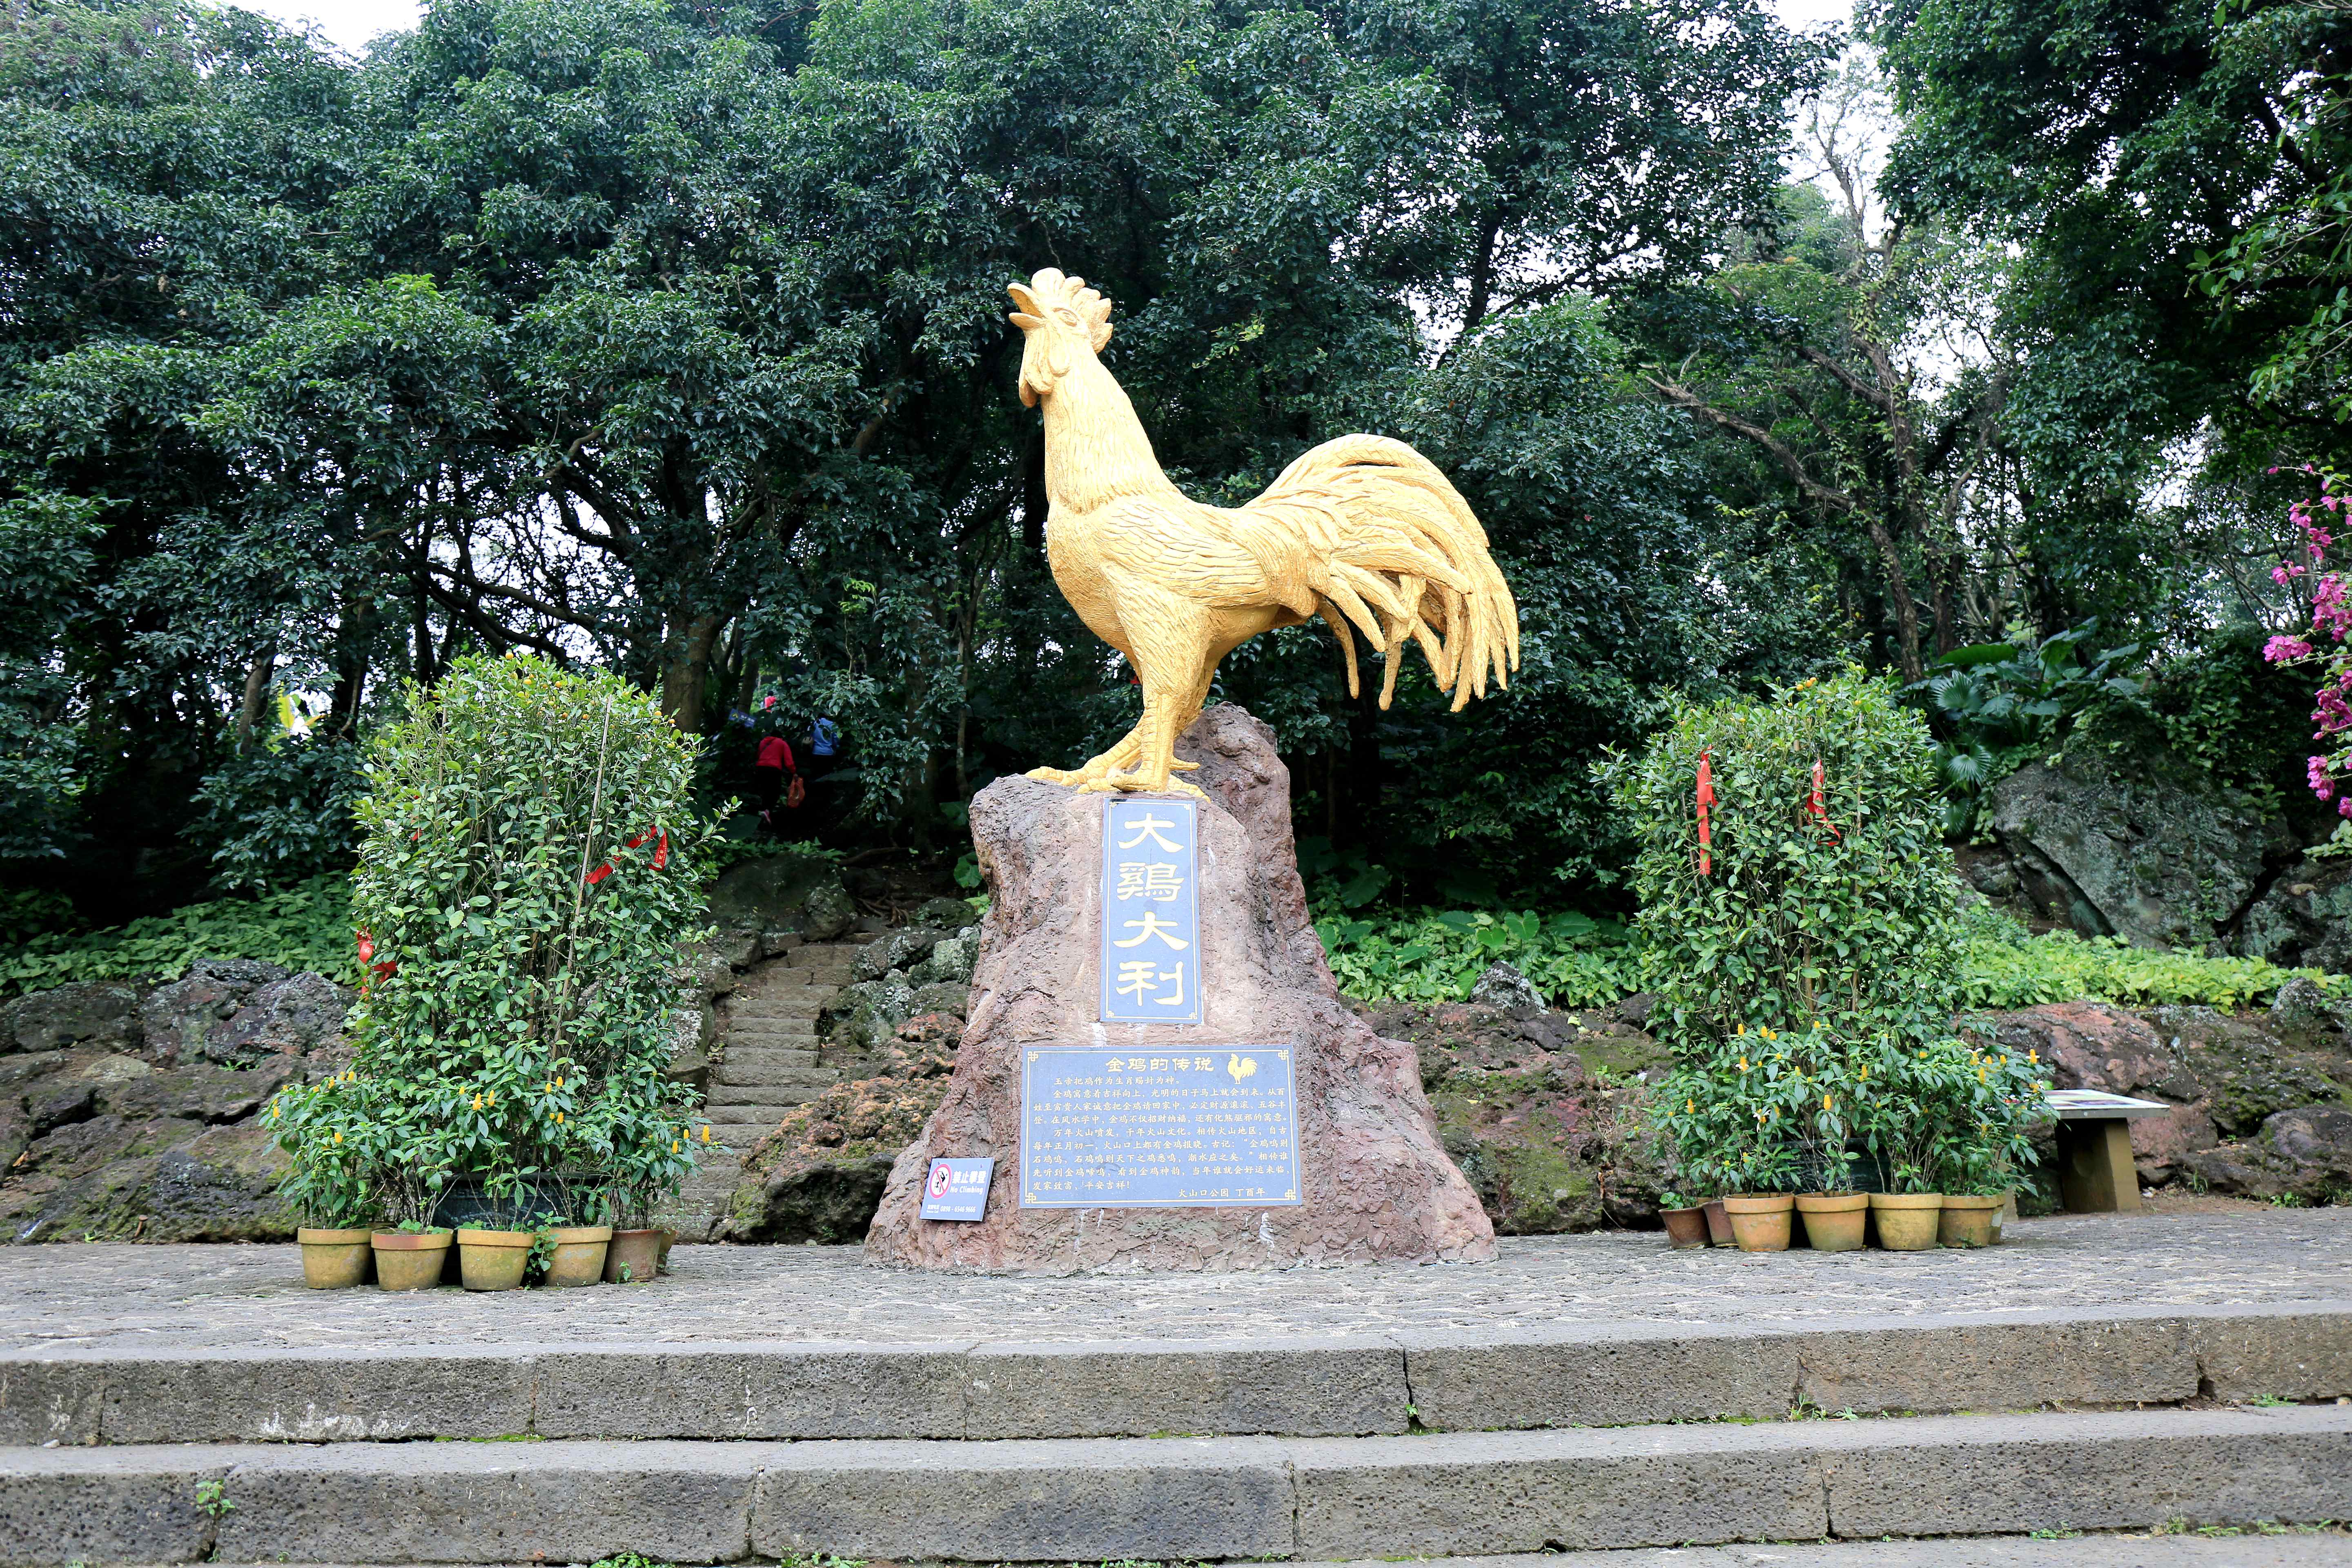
x=772 y=763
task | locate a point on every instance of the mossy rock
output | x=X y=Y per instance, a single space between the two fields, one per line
x=789 y=892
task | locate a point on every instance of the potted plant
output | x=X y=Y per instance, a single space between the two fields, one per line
x=530 y=872
x=1724 y=1116
x=332 y=1193
x=579 y=1255
x=413 y=1256
x=412 y=1253
x=1834 y=1216
x=1905 y=1123
x=653 y=1149
x=1799 y=910
x=1686 y=1221
x=1987 y=1139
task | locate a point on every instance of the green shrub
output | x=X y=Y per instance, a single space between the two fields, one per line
x=530 y=865
x=1807 y=962
x=2003 y=967
x=1575 y=961
x=280 y=810
x=1428 y=957
x=306 y=926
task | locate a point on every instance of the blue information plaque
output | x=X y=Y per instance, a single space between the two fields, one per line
x=1150 y=911
x=1206 y=1127
x=958 y=1189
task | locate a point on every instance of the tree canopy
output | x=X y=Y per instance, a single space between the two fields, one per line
x=671 y=339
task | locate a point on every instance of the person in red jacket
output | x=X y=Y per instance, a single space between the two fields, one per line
x=772 y=763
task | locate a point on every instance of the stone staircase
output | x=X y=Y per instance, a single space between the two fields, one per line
x=1425 y=1443
x=770 y=1060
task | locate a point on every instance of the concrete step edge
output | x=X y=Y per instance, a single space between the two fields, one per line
x=1194 y=1498
x=1600 y=1375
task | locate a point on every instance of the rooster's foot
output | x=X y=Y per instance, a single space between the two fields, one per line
x=1130 y=783
x=1090 y=777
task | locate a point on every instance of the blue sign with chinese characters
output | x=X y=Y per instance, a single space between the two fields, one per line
x=1205 y=1127
x=958 y=1189
x=1151 y=912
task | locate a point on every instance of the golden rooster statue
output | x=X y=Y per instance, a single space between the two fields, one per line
x=1361 y=530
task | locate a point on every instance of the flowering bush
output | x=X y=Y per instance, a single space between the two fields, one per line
x=1800 y=920
x=530 y=865
x=2330 y=772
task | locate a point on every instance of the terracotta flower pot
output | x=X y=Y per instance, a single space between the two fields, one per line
x=1685 y=1227
x=333 y=1259
x=1719 y=1222
x=579 y=1255
x=405 y=1261
x=492 y=1259
x=632 y=1257
x=1834 y=1221
x=1906 y=1221
x=1759 y=1222
x=1969 y=1220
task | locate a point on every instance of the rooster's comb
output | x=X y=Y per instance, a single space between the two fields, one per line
x=1047 y=289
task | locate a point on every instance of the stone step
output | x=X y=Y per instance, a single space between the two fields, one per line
x=1097 y=1499
x=743 y=1136
x=754 y=1057
x=2260 y=1546
x=736 y=1073
x=824 y=955
x=752 y=1099
x=805 y=1003
x=829 y=974
x=1463 y=1380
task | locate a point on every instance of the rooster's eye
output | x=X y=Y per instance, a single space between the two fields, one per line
x=1069 y=318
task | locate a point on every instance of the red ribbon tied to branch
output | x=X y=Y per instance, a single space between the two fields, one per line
x=661 y=854
x=1706 y=809
x=1815 y=806
x=383 y=970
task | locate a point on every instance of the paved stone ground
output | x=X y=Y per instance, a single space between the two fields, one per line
x=130 y=1297
x=2297 y=1551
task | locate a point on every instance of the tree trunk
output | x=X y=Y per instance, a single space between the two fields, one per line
x=256 y=689
x=1898 y=591
x=686 y=669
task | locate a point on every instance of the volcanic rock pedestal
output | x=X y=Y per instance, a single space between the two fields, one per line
x=1377 y=1187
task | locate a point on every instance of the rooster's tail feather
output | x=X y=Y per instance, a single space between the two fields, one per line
x=1400 y=555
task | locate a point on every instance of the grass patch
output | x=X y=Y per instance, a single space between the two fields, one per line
x=1437 y=956
x=305 y=926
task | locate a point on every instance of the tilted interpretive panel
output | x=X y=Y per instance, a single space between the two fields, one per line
x=1206 y=1127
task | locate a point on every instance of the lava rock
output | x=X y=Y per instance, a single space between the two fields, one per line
x=285 y=1017
x=794 y=893
x=93 y=1013
x=2303 y=919
x=900 y=950
x=177 y=1018
x=199 y=1091
x=942 y=996
x=820 y=1175
x=951 y=914
x=1503 y=987
x=866 y=1015
x=951 y=961
x=2128 y=846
